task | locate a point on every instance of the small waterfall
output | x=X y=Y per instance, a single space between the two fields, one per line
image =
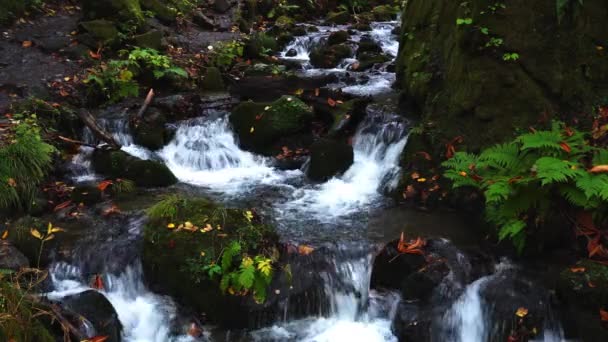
x=377 y=146
x=356 y=313
x=205 y=152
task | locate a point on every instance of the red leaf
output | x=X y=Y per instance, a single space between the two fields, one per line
x=604 y=315
x=98 y=339
x=104 y=185
x=424 y=155
x=569 y=132
x=97 y=282
x=62 y=205
x=565 y=146
x=331 y=102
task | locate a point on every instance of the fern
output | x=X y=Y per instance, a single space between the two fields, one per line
x=548 y=140
x=553 y=170
x=229 y=253
x=498 y=191
x=501 y=156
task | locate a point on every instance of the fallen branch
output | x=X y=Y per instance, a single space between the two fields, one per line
x=99 y=133
x=75 y=142
x=147 y=101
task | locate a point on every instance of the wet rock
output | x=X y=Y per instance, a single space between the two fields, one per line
x=329 y=56
x=248 y=88
x=116 y=9
x=339 y=18
x=161 y=10
x=96 y=308
x=368 y=60
x=259 y=125
x=391 y=268
x=364 y=27
x=150 y=131
x=312 y=29
x=284 y=22
x=299 y=31
x=86 y=194
x=199 y=18
x=102 y=30
x=11 y=258
x=213 y=81
x=178 y=106
x=584 y=294
x=385 y=12
x=258 y=45
x=291 y=53
x=367 y=44
x=221 y=6
x=119 y=164
x=151 y=40
x=338 y=37
x=329 y=158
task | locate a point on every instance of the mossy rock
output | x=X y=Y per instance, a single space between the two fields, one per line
x=98 y=310
x=102 y=30
x=329 y=158
x=259 y=44
x=329 y=56
x=151 y=132
x=284 y=22
x=151 y=40
x=259 y=125
x=213 y=80
x=160 y=10
x=368 y=59
x=299 y=31
x=173 y=261
x=367 y=44
x=385 y=12
x=120 y=164
x=119 y=10
x=364 y=27
x=338 y=37
x=339 y=18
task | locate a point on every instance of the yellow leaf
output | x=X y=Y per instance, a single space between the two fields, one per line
x=251 y=129
x=299 y=91
x=462 y=173
x=12 y=183
x=5 y=235
x=521 y=312
x=35 y=233
x=249 y=215
x=26 y=43
x=49 y=227
x=56 y=230
x=267 y=108
x=49 y=238
x=171 y=225
x=421 y=180
x=247 y=261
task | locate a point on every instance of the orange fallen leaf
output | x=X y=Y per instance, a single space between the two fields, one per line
x=305 y=250
x=63 y=92
x=62 y=205
x=26 y=43
x=577 y=269
x=5 y=235
x=95 y=55
x=97 y=282
x=194 y=331
x=521 y=312
x=591 y=284
x=415 y=175
x=599 y=169
x=424 y=155
x=97 y=339
x=604 y=315
x=102 y=186
x=12 y=183
x=331 y=102
x=565 y=146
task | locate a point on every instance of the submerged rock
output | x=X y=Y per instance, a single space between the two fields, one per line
x=120 y=164
x=329 y=56
x=96 y=308
x=11 y=258
x=150 y=132
x=338 y=37
x=329 y=158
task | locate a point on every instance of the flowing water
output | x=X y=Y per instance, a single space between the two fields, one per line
x=205 y=155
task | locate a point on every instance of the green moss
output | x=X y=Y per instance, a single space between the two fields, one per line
x=213 y=81
x=119 y=164
x=339 y=18
x=151 y=40
x=385 y=12
x=119 y=10
x=101 y=29
x=329 y=56
x=338 y=37
x=160 y=9
x=258 y=125
x=284 y=22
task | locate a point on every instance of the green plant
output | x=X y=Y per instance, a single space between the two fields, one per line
x=521 y=179
x=25 y=160
x=152 y=61
x=562 y=6
x=282 y=7
x=464 y=21
x=510 y=56
x=44 y=237
x=494 y=42
x=113 y=80
x=224 y=54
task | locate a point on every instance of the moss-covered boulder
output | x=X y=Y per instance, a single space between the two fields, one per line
x=151 y=132
x=120 y=164
x=329 y=158
x=367 y=60
x=213 y=80
x=259 y=45
x=151 y=40
x=259 y=125
x=119 y=10
x=584 y=290
x=338 y=37
x=101 y=30
x=339 y=18
x=460 y=85
x=284 y=22
x=186 y=237
x=329 y=56
x=162 y=9
x=385 y=12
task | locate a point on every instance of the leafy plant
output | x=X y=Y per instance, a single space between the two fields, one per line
x=464 y=21
x=25 y=160
x=519 y=179
x=510 y=56
x=282 y=7
x=44 y=237
x=562 y=6
x=224 y=54
x=494 y=42
x=152 y=61
x=113 y=80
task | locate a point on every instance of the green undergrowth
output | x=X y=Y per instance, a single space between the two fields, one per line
x=524 y=181
x=25 y=160
x=229 y=247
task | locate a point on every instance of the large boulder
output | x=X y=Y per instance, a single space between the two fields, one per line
x=329 y=158
x=150 y=132
x=11 y=258
x=458 y=82
x=338 y=37
x=339 y=18
x=120 y=164
x=329 y=56
x=385 y=12
x=96 y=309
x=259 y=125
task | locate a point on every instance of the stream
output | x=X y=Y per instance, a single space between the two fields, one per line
x=206 y=158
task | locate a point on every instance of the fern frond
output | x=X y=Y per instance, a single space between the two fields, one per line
x=574 y=195
x=497 y=191
x=554 y=170
x=501 y=156
x=544 y=140
x=600 y=157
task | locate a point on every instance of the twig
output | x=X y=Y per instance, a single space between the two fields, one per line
x=147 y=102
x=75 y=142
x=90 y=122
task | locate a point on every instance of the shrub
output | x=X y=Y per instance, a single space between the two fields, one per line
x=522 y=179
x=25 y=160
